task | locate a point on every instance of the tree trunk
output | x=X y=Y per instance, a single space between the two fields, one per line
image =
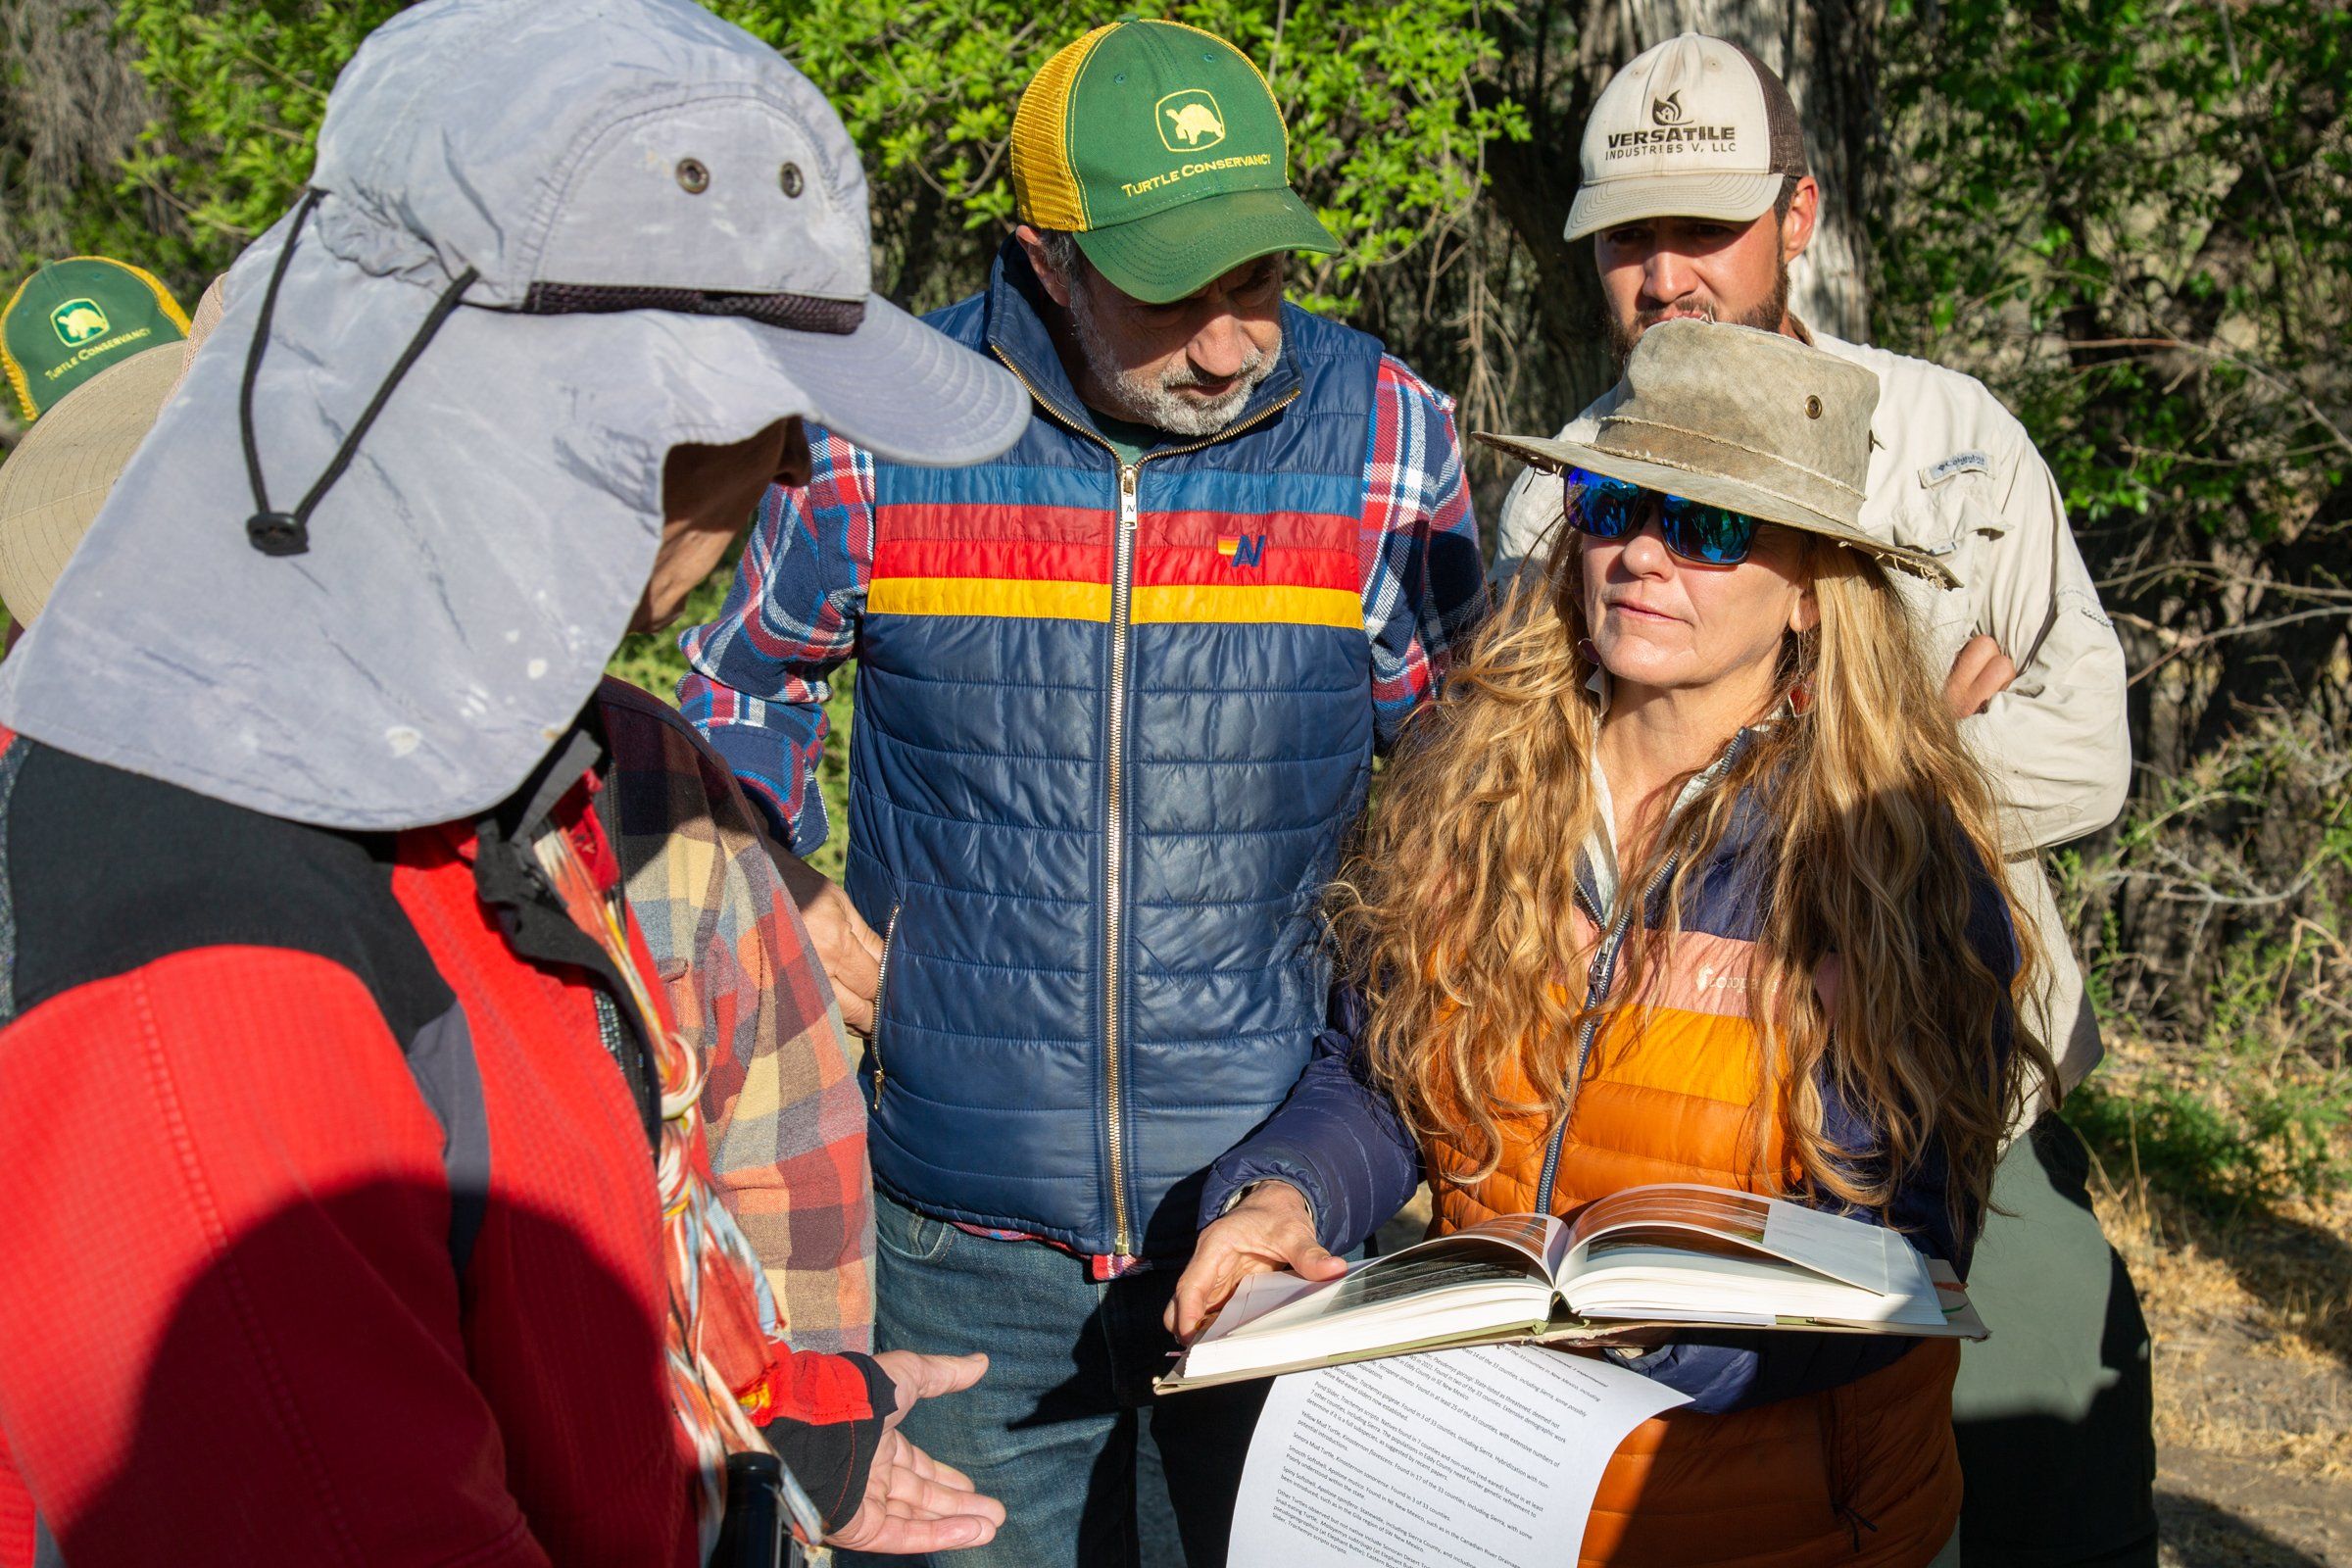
x=1828 y=53
x=2280 y=667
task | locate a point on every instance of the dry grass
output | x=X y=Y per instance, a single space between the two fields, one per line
x=2252 y=1322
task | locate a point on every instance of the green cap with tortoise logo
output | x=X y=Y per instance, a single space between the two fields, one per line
x=74 y=317
x=1159 y=146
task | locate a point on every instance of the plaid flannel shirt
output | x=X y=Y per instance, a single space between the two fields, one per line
x=758 y=682
x=780 y=1102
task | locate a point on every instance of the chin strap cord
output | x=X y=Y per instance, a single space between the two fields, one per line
x=288 y=533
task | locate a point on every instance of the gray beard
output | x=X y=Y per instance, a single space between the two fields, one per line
x=1765 y=318
x=1145 y=399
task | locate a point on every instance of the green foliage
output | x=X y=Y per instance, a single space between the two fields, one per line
x=1387 y=139
x=2135 y=223
x=2250 y=1102
x=243 y=87
x=2138 y=219
x=2221 y=1148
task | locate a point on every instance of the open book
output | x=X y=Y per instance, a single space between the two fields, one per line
x=1647 y=1256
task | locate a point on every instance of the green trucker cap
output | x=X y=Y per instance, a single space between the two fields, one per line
x=75 y=318
x=1160 y=147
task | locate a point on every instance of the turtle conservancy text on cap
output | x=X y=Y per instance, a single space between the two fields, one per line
x=1160 y=147
x=73 y=318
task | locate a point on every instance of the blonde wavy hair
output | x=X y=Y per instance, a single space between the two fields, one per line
x=1455 y=911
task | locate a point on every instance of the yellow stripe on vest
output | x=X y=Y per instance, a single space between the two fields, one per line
x=988 y=596
x=1198 y=603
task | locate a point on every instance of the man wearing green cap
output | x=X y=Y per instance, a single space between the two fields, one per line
x=1118 y=694
x=73 y=318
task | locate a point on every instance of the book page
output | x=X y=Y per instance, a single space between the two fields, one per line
x=1517 y=1250
x=1436 y=1297
x=1710 y=1219
x=1475 y=1458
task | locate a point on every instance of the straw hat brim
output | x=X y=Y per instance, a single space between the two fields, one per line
x=60 y=475
x=1758 y=501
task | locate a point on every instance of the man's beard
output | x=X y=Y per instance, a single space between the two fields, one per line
x=1766 y=317
x=1146 y=397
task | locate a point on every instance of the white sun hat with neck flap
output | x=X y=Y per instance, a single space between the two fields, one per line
x=371 y=560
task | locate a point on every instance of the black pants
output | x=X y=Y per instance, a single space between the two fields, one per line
x=2054 y=1413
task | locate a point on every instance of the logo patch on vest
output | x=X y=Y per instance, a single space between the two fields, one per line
x=1243 y=549
x=1711 y=978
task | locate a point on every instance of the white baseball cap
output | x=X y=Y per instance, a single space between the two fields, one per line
x=1695 y=127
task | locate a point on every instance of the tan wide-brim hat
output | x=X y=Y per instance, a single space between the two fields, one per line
x=53 y=484
x=1735 y=418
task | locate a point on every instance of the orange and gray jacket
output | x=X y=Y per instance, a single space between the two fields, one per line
x=1797 y=1448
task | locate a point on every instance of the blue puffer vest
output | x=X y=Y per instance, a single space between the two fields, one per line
x=1111 y=725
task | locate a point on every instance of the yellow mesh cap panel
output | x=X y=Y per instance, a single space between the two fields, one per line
x=1045 y=190
x=1230 y=47
x=28 y=410
x=164 y=301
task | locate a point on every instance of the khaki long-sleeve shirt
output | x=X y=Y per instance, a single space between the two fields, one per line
x=1953 y=472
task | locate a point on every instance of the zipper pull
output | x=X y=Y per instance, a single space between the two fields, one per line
x=873 y=1037
x=1128 y=508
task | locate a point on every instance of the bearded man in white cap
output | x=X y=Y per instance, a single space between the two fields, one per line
x=365 y=1209
x=1696 y=197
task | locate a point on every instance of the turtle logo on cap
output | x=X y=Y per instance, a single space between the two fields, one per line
x=77 y=322
x=1668 y=110
x=1189 y=117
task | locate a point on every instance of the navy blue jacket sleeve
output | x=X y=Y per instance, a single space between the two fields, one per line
x=1725 y=1370
x=1337 y=1139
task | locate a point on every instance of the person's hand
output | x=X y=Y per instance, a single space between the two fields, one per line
x=1981 y=671
x=1268 y=1230
x=845 y=944
x=913 y=1503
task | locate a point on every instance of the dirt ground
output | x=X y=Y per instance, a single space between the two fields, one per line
x=2252 y=1322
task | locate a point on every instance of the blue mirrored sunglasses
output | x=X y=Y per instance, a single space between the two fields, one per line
x=1696 y=531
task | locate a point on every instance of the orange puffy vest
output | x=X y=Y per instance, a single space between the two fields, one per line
x=1862 y=1474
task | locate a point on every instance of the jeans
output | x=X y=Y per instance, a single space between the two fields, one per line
x=1050 y=1431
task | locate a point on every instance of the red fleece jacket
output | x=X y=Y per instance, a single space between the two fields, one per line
x=259 y=1302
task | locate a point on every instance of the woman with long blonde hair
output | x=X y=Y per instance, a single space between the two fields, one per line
x=1689 y=877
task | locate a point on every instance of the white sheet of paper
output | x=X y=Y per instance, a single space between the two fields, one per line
x=1476 y=1458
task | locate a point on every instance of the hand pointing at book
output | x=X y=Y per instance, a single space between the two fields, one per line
x=1271 y=1228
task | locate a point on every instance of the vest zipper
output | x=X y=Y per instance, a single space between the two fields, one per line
x=1114 y=826
x=1604 y=970
x=1114 y=845
x=1596 y=989
x=873 y=1039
